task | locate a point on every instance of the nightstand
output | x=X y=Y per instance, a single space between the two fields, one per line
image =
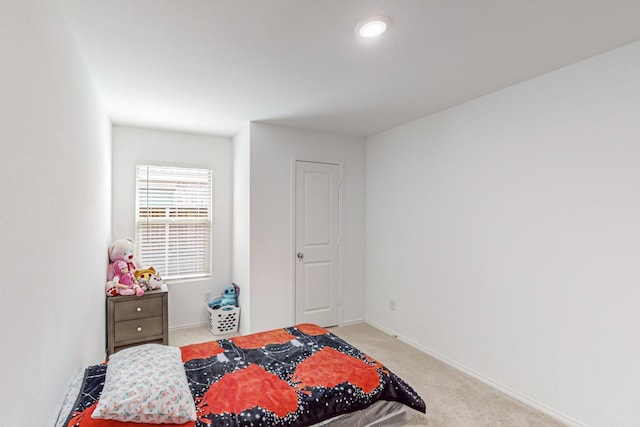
x=133 y=320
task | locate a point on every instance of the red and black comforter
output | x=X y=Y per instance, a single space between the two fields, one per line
x=295 y=376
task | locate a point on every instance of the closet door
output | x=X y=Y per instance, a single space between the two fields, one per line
x=317 y=199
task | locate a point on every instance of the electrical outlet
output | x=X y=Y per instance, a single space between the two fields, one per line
x=207 y=296
x=392 y=305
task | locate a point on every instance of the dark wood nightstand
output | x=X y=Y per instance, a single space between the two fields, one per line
x=133 y=320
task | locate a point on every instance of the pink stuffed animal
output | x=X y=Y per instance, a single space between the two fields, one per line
x=121 y=250
x=124 y=281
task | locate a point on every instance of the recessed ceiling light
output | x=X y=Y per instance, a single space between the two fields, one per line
x=372 y=27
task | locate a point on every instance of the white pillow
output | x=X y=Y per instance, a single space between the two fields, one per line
x=146 y=384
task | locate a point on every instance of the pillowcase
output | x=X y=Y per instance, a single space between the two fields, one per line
x=146 y=384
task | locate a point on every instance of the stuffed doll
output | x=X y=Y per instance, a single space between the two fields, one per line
x=149 y=279
x=155 y=282
x=229 y=297
x=120 y=250
x=124 y=281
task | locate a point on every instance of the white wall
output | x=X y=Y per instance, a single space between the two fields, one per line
x=54 y=222
x=273 y=150
x=508 y=231
x=241 y=271
x=133 y=146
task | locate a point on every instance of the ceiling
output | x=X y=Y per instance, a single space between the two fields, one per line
x=208 y=66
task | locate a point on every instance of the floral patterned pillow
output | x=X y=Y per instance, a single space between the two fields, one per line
x=146 y=384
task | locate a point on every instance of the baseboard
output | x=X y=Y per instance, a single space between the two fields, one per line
x=488 y=381
x=191 y=325
x=352 y=322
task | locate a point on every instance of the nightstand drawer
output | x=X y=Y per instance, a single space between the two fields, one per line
x=138 y=329
x=137 y=309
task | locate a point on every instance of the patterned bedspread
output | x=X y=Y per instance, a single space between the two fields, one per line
x=295 y=376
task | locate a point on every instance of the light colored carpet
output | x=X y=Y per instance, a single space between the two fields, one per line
x=453 y=398
x=193 y=335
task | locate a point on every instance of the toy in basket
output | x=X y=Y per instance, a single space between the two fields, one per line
x=223 y=312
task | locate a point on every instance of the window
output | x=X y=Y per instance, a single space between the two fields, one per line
x=173 y=220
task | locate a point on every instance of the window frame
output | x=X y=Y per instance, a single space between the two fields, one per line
x=168 y=221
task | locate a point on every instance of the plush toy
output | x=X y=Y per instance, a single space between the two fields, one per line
x=229 y=297
x=124 y=280
x=155 y=282
x=149 y=279
x=121 y=250
x=110 y=289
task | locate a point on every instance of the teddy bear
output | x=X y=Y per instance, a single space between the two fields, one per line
x=228 y=298
x=121 y=250
x=148 y=278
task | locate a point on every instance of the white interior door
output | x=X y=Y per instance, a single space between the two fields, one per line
x=317 y=197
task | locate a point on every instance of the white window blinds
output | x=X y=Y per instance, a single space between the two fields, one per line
x=173 y=220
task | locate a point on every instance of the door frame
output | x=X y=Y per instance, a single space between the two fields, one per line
x=292 y=248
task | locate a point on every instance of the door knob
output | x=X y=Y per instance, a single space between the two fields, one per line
x=300 y=255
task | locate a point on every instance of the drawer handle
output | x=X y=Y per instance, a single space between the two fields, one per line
x=139 y=309
x=139 y=329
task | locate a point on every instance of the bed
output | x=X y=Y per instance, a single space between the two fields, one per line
x=297 y=376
